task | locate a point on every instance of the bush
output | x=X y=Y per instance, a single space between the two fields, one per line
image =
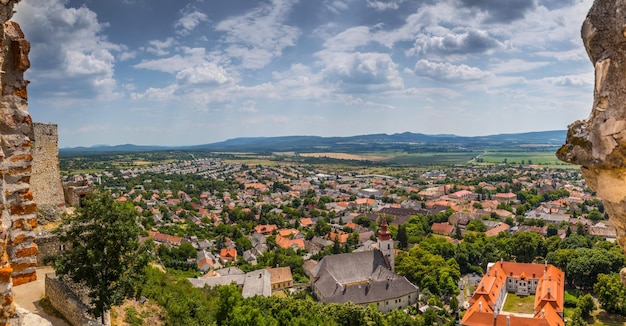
x=570 y=300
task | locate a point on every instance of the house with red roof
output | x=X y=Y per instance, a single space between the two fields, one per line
x=501 y=227
x=544 y=281
x=228 y=254
x=306 y=222
x=442 y=228
x=265 y=229
x=285 y=243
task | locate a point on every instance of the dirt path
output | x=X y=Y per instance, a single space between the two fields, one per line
x=28 y=295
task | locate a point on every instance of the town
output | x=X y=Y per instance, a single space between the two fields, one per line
x=425 y=242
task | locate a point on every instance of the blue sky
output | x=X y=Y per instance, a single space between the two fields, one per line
x=181 y=72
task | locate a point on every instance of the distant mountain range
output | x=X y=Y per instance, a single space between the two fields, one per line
x=363 y=143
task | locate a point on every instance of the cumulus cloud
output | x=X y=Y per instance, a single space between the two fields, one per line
x=260 y=35
x=448 y=72
x=473 y=41
x=384 y=4
x=158 y=47
x=583 y=80
x=361 y=72
x=206 y=73
x=70 y=53
x=499 y=11
x=189 y=21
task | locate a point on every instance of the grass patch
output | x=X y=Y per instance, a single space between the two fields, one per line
x=279 y=294
x=605 y=318
x=519 y=304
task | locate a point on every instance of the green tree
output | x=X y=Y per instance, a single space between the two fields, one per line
x=611 y=293
x=552 y=230
x=586 y=305
x=577 y=318
x=106 y=256
x=403 y=238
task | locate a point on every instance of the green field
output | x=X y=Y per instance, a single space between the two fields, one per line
x=517 y=157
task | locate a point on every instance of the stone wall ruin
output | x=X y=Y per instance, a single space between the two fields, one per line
x=18 y=210
x=45 y=180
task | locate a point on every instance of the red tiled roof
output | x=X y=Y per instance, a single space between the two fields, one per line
x=442 y=228
x=548 y=298
x=229 y=254
x=265 y=228
x=289 y=243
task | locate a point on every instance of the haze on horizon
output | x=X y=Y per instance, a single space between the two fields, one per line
x=151 y=72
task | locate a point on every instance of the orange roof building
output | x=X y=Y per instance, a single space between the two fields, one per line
x=501 y=227
x=228 y=254
x=289 y=243
x=265 y=229
x=442 y=228
x=546 y=282
x=306 y=222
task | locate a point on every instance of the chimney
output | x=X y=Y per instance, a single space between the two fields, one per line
x=480 y=306
x=543 y=313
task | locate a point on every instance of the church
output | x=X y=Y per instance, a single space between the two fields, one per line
x=364 y=278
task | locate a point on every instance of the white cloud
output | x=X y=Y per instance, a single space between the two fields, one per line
x=260 y=35
x=349 y=39
x=449 y=72
x=467 y=42
x=385 y=4
x=176 y=63
x=206 y=73
x=189 y=21
x=336 y=6
x=158 y=47
x=516 y=66
x=70 y=53
x=570 y=80
x=361 y=72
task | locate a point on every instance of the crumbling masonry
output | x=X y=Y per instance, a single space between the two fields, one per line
x=598 y=143
x=17 y=209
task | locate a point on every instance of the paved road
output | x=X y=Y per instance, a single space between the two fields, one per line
x=28 y=295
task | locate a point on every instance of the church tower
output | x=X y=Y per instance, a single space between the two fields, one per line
x=385 y=244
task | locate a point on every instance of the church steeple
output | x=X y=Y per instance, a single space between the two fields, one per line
x=383 y=233
x=385 y=244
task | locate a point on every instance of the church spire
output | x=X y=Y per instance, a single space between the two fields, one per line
x=383 y=233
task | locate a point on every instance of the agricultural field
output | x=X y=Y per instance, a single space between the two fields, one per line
x=519 y=157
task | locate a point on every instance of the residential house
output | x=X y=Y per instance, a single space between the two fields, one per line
x=281 y=278
x=285 y=243
x=228 y=255
x=251 y=284
x=265 y=229
x=494 y=231
x=442 y=228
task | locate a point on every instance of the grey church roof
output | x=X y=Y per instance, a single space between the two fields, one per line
x=359 y=277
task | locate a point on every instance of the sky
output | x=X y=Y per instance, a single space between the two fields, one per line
x=187 y=72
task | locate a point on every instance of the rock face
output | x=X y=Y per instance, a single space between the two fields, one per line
x=598 y=143
x=17 y=208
